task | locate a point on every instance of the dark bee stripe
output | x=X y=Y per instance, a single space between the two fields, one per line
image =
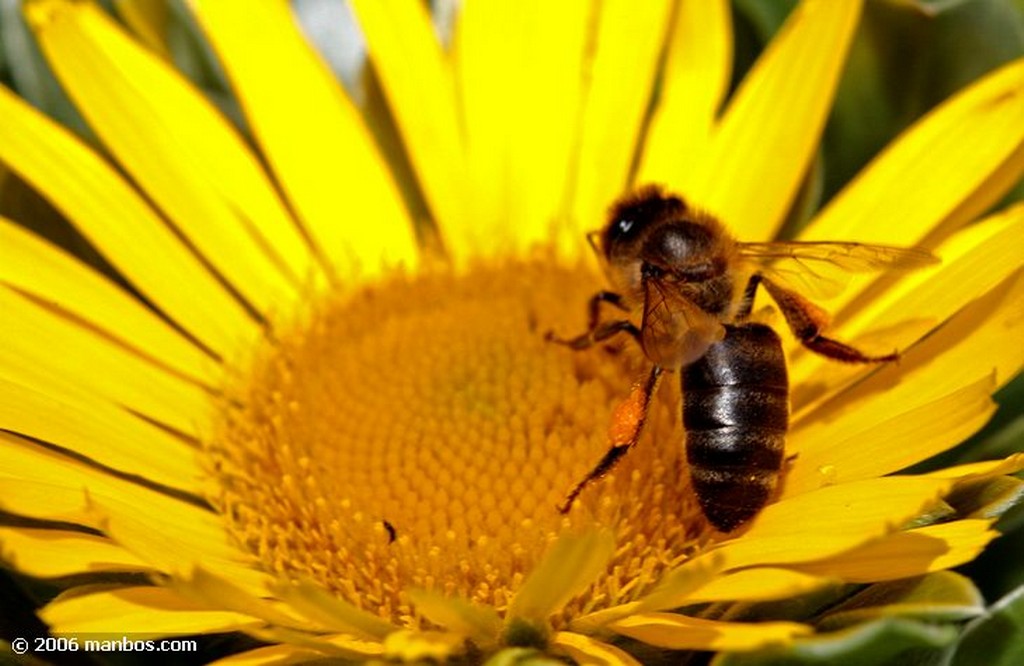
x=736 y=413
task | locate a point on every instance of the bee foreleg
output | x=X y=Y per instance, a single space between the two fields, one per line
x=624 y=432
x=807 y=321
x=597 y=330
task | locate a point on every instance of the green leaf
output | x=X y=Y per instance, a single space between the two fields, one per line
x=997 y=638
x=943 y=596
x=885 y=641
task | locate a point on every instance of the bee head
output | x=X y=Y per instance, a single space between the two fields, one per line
x=631 y=219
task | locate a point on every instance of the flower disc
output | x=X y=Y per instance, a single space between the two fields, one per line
x=421 y=434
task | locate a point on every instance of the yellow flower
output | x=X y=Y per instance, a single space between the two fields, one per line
x=302 y=424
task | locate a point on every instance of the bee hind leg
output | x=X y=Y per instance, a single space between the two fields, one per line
x=807 y=320
x=624 y=432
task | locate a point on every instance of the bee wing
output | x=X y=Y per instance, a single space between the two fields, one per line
x=822 y=268
x=675 y=332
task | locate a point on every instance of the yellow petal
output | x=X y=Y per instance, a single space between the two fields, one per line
x=587 y=650
x=629 y=41
x=103 y=433
x=480 y=623
x=162 y=550
x=89 y=362
x=48 y=553
x=912 y=553
x=841 y=450
x=211 y=590
x=761 y=149
x=980 y=470
x=975 y=260
x=697 y=72
x=328 y=610
x=144 y=612
x=568 y=567
x=947 y=157
x=177 y=147
x=829 y=520
x=678 y=632
x=39 y=483
x=418 y=81
x=509 y=60
x=116 y=220
x=675 y=587
x=982 y=339
x=33 y=266
x=312 y=136
x=756 y=584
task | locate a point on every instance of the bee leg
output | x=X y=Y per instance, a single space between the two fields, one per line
x=807 y=320
x=601 y=333
x=596 y=330
x=747 y=302
x=624 y=432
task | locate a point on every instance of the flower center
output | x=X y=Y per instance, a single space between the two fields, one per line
x=421 y=434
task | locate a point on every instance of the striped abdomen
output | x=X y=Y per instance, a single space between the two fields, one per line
x=736 y=412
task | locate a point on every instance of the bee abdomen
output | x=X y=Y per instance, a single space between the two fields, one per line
x=736 y=413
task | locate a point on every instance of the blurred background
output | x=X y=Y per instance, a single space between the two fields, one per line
x=908 y=56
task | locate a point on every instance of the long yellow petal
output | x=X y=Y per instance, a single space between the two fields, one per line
x=974 y=261
x=696 y=78
x=912 y=553
x=312 y=136
x=145 y=612
x=841 y=450
x=89 y=362
x=981 y=340
x=418 y=80
x=103 y=433
x=211 y=590
x=979 y=470
x=38 y=483
x=45 y=553
x=32 y=266
x=761 y=149
x=178 y=147
x=907 y=192
x=829 y=520
x=518 y=69
x=587 y=650
x=678 y=632
x=758 y=584
x=116 y=220
x=630 y=37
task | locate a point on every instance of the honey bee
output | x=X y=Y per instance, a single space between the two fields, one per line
x=696 y=286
